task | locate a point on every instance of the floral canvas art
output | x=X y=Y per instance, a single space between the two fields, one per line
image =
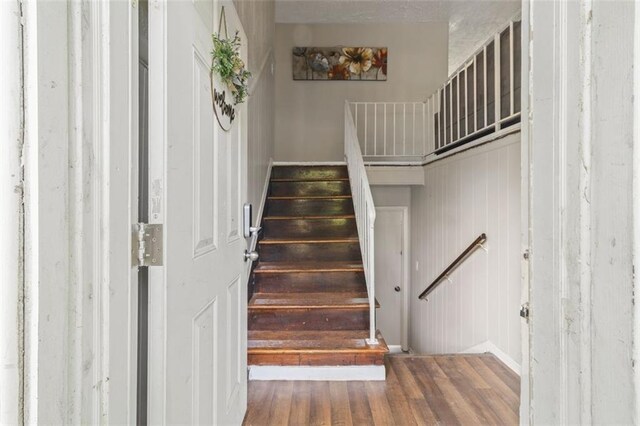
x=340 y=63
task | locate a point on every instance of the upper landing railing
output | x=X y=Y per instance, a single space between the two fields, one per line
x=481 y=98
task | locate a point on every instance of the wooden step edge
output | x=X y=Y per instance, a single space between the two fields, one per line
x=319 y=305
x=320 y=269
x=309 y=179
x=294 y=307
x=310 y=165
x=310 y=217
x=308 y=197
x=309 y=241
x=383 y=349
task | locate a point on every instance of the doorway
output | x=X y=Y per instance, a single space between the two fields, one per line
x=392 y=283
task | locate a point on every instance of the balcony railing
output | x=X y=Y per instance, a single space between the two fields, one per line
x=481 y=98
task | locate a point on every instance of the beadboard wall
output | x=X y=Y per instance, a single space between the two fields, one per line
x=259 y=24
x=465 y=195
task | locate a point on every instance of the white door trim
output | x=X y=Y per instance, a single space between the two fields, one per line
x=406 y=256
x=525 y=167
x=12 y=214
x=583 y=341
x=80 y=183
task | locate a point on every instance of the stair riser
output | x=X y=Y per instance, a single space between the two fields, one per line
x=316 y=359
x=312 y=282
x=306 y=189
x=310 y=252
x=309 y=228
x=305 y=172
x=309 y=207
x=309 y=319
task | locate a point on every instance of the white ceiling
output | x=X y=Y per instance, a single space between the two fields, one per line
x=470 y=22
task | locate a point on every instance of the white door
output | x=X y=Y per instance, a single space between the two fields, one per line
x=198 y=299
x=390 y=282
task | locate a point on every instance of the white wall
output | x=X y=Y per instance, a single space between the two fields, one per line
x=465 y=195
x=391 y=196
x=310 y=114
x=258 y=21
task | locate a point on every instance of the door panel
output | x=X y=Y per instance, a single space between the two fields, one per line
x=389 y=231
x=198 y=298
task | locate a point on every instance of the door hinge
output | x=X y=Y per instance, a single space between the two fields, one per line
x=525 y=311
x=147 y=244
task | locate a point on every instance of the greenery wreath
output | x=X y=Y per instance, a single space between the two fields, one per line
x=226 y=63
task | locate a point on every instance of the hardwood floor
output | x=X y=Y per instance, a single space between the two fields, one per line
x=419 y=390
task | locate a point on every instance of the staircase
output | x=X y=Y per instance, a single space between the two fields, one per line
x=309 y=305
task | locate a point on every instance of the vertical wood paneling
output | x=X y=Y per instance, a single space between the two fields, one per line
x=463 y=196
x=258 y=21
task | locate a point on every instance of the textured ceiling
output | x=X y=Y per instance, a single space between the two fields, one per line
x=470 y=22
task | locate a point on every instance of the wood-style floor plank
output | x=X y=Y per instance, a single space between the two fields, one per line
x=419 y=390
x=360 y=409
x=495 y=381
x=281 y=404
x=470 y=394
x=260 y=394
x=300 y=404
x=340 y=408
x=444 y=411
x=400 y=405
x=320 y=409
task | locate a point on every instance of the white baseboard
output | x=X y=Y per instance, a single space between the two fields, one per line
x=339 y=373
x=395 y=349
x=309 y=163
x=488 y=346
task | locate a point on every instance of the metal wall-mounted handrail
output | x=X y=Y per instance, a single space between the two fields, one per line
x=470 y=249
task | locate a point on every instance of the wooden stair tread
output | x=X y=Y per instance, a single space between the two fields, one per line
x=307 y=179
x=350 y=341
x=326 y=300
x=307 y=217
x=310 y=240
x=307 y=197
x=281 y=267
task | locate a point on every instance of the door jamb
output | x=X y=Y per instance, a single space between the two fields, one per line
x=525 y=204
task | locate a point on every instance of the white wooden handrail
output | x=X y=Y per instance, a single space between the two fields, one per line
x=365 y=212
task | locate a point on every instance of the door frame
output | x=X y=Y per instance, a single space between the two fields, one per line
x=525 y=205
x=584 y=213
x=80 y=182
x=406 y=256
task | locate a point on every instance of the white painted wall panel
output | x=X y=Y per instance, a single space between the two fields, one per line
x=465 y=195
x=259 y=24
x=310 y=115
